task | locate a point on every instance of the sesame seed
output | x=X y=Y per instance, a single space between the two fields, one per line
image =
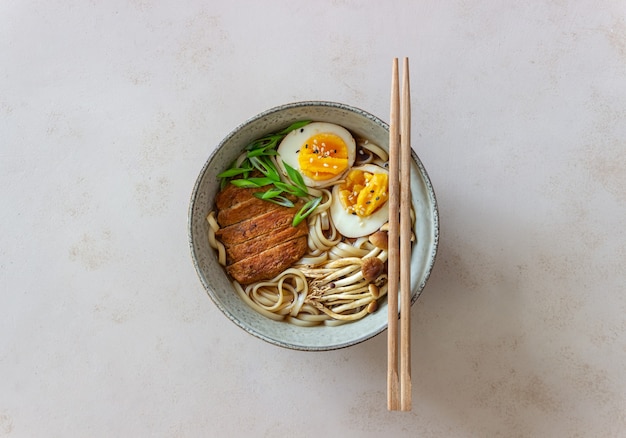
x=311 y=160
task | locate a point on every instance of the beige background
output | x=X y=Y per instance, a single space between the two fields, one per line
x=108 y=111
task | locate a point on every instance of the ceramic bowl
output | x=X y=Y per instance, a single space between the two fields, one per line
x=217 y=283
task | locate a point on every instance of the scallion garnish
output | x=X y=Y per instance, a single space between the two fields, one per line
x=280 y=200
x=265 y=165
x=292 y=190
x=271 y=193
x=245 y=183
x=306 y=210
x=234 y=171
x=259 y=157
x=295 y=176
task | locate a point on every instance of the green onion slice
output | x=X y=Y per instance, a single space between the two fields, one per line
x=280 y=200
x=259 y=156
x=295 y=176
x=271 y=193
x=266 y=167
x=234 y=171
x=244 y=183
x=306 y=210
x=293 y=190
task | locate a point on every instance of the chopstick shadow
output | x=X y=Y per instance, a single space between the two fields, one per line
x=468 y=342
x=472 y=354
x=472 y=368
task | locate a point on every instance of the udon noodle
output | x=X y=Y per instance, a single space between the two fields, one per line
x=327 y=285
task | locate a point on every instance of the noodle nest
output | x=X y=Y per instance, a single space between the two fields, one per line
x=327 y=285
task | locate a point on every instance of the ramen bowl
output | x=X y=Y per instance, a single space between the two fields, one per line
x=213 y=276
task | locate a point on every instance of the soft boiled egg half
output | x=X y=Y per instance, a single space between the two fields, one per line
x=322 y=152
x=359 y=206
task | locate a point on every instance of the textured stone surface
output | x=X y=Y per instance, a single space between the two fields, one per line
x=108 y=112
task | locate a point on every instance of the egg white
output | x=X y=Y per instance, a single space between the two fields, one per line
x=351 y=225
x=289 y=148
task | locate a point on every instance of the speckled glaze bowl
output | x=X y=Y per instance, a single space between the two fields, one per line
x=218 y=285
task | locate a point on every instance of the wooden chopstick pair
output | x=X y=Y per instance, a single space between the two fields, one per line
x=399 y=381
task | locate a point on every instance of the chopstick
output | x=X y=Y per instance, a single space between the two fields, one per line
x=399 y=387
x=393 y=258
x=405 y=243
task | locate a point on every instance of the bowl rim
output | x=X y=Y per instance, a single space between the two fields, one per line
x=308 y=103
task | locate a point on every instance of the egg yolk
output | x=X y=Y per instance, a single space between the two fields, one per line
x=363 y=193
x=323 y=156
